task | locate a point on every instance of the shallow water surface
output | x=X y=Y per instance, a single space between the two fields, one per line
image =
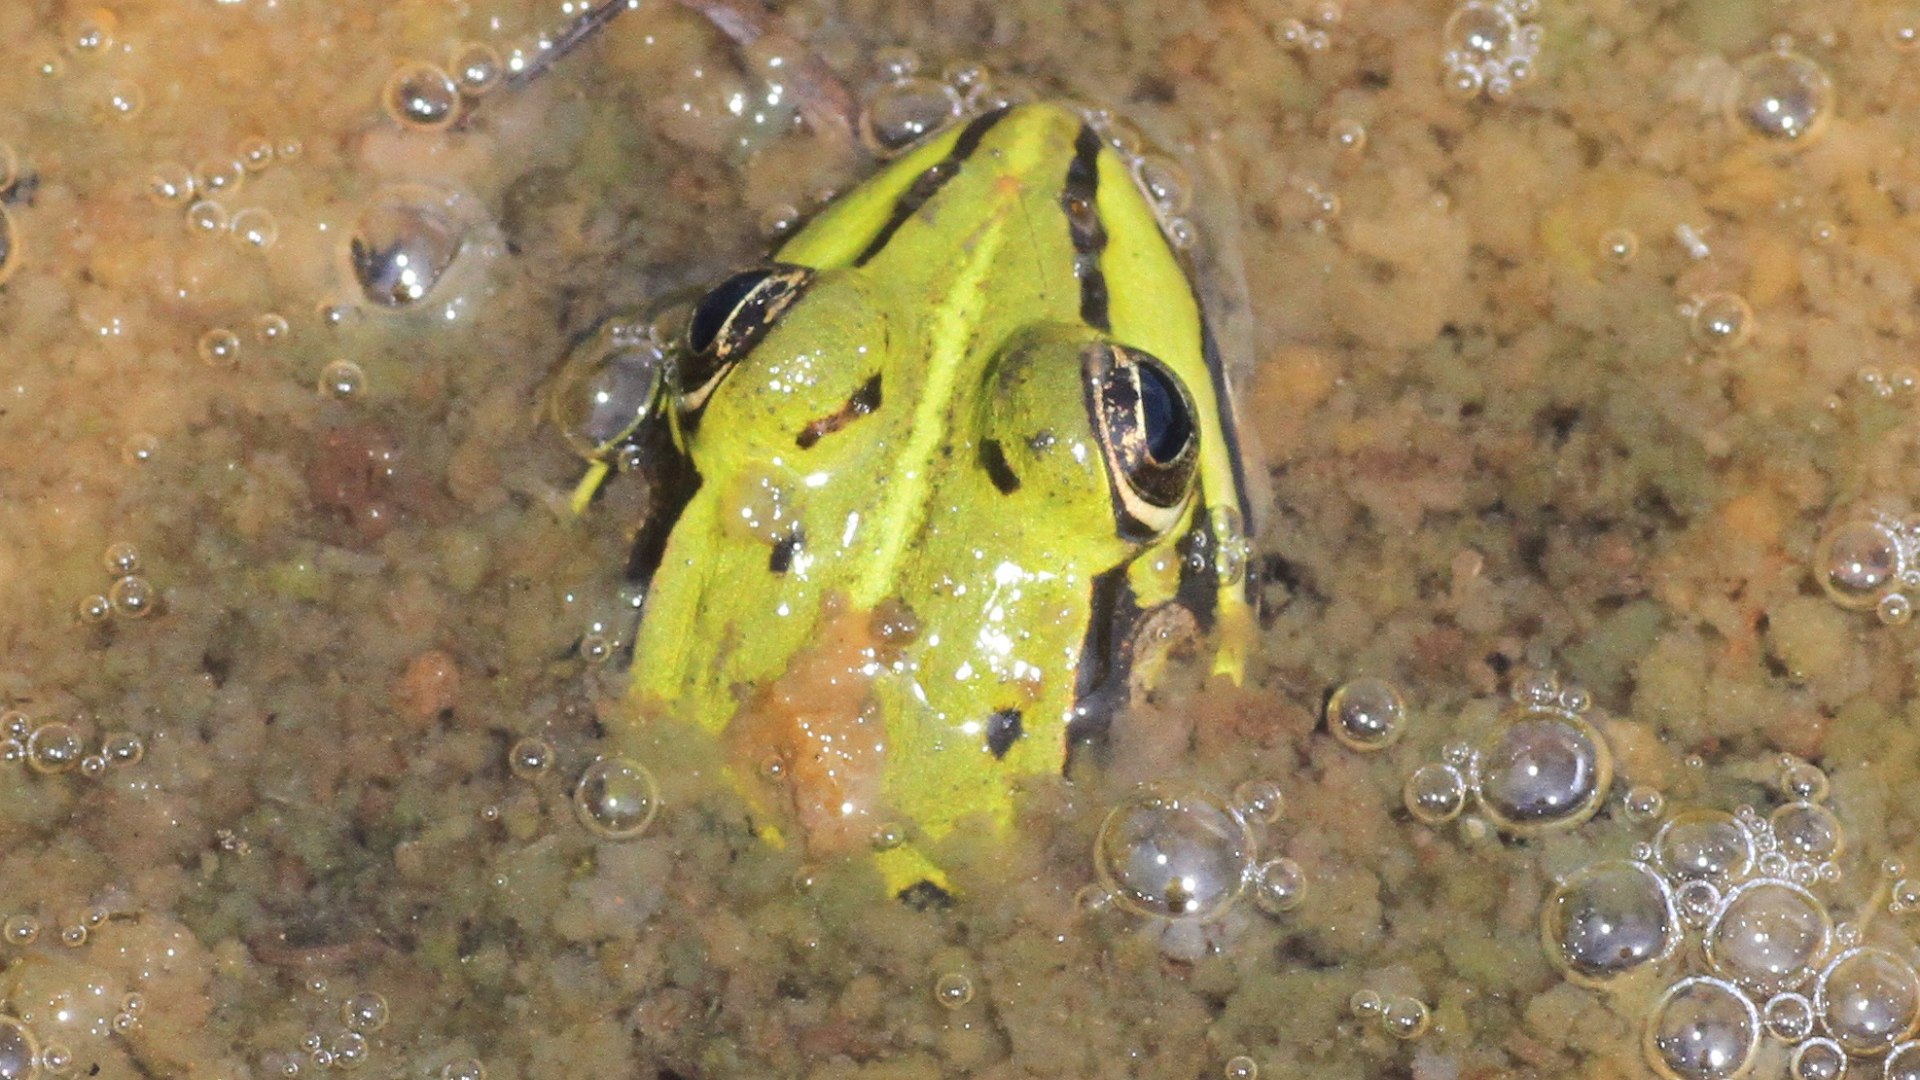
x=1574 y=345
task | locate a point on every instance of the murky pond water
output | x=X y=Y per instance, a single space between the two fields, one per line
x=1575 y=349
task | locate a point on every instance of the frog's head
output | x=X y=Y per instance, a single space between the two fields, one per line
x=973 y=402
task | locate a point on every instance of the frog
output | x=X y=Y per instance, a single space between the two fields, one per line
x=950 y=461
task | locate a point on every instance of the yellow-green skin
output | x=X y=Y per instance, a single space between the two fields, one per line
x=972 y=315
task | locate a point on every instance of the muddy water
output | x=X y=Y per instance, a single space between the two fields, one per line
x=1578 y=341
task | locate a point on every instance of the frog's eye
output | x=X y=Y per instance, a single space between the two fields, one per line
x=729 y=320
x=1145 y=423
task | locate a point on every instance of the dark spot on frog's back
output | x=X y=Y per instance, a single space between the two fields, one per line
x=863 y=402
x=994 y=459
x=1003 y=730
x=780 y=559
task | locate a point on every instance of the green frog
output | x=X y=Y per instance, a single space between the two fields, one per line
x=952 y=454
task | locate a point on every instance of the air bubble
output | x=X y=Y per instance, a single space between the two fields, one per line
x=1643 y=803
x=1543 y=770
x=1894 y=609
x=19 y=1054
x=19 y=931
x=218 y=178
x=1697 y=901
x=132 y=597
x=92 y=32
x=139 y=449
x=1278 y=886
x=1704 y=845
x=342 y=380
x=1406 y=1017
x=1902 y=28
x=220 y=347
x=1260 y=800
x=464 y=1069
x=886 y=837
x=1366 y=714
x=95 y=608
x=1366 y=1004
x=93 y=766
x=616 y=798
x=169 y=185
x=54 y=747
x=476 y=67
x=1903 y=1062
x=901 y=113
x=1802 y=780
x=256 y=154
x=1869 y=999
x=1702 y=1029
x=123 y=748
x=607 y=387
x=1619 y=246
x=1165 y=183
x=255 y=228
x=206 y=218
x=530 y=758
x=1349 y=135
x=1780 y=95
x=1241 y=1067
x=422 y=97
x=1720 y=321
x=1808 y=831
x=121 y=558
x=1768 y=936
x=270 y=328
x=402 y=247
x=1488 y=49
x=1608 y=919
x=1789 y=1017
x=1818 y=1059
x=1178 y=854
x=365 y=1012
x=953 y=990
x=125 y=100
x=1435 y=794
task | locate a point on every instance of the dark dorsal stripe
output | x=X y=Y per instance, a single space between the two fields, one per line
x=863 y=401
x=928 y=184
x=993 y=457
x=1079 y=197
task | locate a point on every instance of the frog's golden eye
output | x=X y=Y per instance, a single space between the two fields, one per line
x=729 y=320
x=1143 y=418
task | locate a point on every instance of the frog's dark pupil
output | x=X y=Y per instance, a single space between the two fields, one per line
x=1165 y=412
x=711 y=314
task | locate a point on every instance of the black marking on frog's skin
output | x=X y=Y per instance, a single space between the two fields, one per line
x=928 y=184
x=864 y=401
x=1079 y=197
x=924 y=895
x=1106 y=659
x=1003 y=730
x=994 y=460
x=780 y=560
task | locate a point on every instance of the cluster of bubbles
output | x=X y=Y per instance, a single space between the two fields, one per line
x=1183 y=854
x=1780 y=95
x=220 y=347
x=615 y=798
x=362 y=1016
x=424 y=96
x=1543 y=767
x=52 y=747
x=1871 y=562
x=1399 y=1015
x=23 y=1058
x=23 y=929
x=205 y=191
x=906 y=106
x=1490 y=49
x=128 y=596
x=1766 y=958
x=1312 y=34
